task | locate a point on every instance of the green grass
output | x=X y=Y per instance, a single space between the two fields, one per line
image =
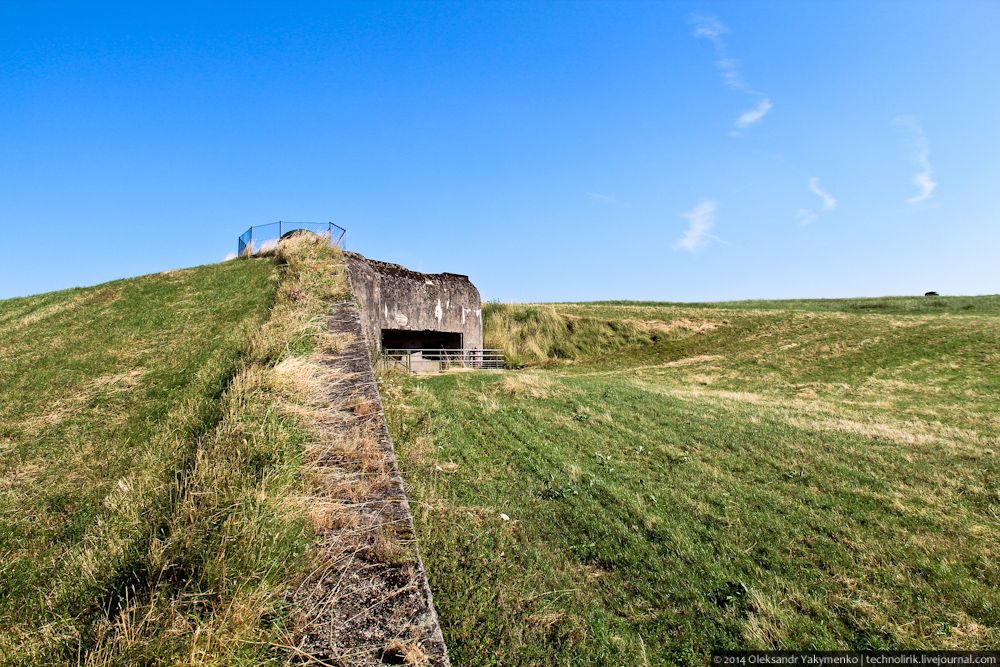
x=151 y=464
x=97 y=387
x=896 y=305
x=802 y=475
x=676 y=477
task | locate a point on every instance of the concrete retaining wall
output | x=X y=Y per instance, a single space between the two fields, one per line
x=362 y=605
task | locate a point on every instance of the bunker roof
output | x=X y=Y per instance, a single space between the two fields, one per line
x=389 y=268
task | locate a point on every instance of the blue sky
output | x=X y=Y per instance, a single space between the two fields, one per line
x=553 y=151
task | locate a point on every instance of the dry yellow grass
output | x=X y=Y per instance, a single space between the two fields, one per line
x=681 y=324
x=526 y=384
x=543 y=334
x=408 y=652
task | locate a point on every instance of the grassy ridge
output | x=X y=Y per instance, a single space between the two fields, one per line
x=152 y=454
x=101 y=387
x=889 y=305
x=806 y=477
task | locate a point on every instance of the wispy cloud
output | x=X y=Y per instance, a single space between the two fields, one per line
x=710 y=28
x=601 y=198
x=751 y=116
x=829 y=202
x=806 y=215
x=701 y=220
x=920 y=154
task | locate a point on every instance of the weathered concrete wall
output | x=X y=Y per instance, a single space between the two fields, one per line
x=359 y=603
x=393 y=297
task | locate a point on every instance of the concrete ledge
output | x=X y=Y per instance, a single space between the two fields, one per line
x=366 y=608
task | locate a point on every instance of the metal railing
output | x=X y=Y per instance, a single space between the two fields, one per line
x=261 y=238
x=435 y=361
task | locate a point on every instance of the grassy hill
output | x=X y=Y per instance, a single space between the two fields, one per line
x=656 y=481
x=150 y=461
x=665 y=479
x=890 y=305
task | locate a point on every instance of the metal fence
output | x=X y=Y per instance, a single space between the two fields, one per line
x=261 y=238
x=435 y=361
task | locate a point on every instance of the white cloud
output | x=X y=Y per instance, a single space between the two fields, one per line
x=807 y=215
x=751 y=116
x=603 y=199
x=710 y=28
x=229 y=255
x=924 y=180
x=701 y=220
x=920 y=154
x=829 y=202
x=731 y=75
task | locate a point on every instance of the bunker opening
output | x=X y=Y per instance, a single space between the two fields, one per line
x=402 y=339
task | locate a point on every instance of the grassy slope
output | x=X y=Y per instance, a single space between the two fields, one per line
x=894 y=305
x=149 y=464
x=812 y=476
x=97 y=386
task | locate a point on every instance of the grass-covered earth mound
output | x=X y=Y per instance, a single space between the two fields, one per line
x=654 y=481
x=153 y=463
x=661 y=480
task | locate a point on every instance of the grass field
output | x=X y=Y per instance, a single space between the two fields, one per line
x=151 y=463
x=661 y=480
x=655 y=481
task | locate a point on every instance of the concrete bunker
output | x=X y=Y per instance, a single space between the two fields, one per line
x=424 y=321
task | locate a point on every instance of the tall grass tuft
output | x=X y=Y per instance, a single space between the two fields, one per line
x=539 y=334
